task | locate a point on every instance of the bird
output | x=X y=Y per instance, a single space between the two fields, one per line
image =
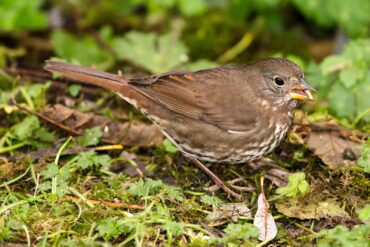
x=227 y=114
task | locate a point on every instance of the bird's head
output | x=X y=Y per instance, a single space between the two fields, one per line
x=283 y=82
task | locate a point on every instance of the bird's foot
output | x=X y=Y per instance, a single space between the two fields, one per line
x=232 y=184
x=219 y=183
x=274 y=172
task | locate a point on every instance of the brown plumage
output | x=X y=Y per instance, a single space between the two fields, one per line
x=229 y=114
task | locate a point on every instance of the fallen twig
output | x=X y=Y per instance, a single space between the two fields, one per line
x=106 y=203
x=47 y=119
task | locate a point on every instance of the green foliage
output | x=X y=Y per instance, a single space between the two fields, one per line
x=150 y=51
x=149 y=187
x=91 y=137
x=211 y=200
x=145 y=188
x=238 y=234
x=74 y=90
x=296 y=185
x=55 y=179
x=24 y=129
x=113 y=227
x=186 y=7
x=20 y=14
x=168 y=146
x=90 y=159
x=351 y=16
x=84 y=50
x=364 y=160
x=364 y=214
x=29 y=132
x=345 y=80
x=341 y=236
x=174 y=228
x=35 y=94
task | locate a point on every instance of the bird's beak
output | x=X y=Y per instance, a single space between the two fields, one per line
x=302 y=91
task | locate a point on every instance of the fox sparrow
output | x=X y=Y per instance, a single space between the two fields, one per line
x=229 y=114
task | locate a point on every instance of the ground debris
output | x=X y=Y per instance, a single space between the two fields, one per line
x=132 y=133
x=332 y=149
x=303 y=209
x=229 y=210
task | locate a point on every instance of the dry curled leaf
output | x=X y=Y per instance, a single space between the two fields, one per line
x=264 y=221
x=299 y=208
x=332 y=149
x=128 y=133
x=229 y=210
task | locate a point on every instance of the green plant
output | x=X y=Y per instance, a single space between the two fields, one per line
x=83 y=50
x=20 y=15
x=296 y=185
x=345 y=80
x=351 y=16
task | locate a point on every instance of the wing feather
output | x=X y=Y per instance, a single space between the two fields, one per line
x=183 y=93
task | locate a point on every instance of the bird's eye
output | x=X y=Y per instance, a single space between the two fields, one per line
x=279 y=81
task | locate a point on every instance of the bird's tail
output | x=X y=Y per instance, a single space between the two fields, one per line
x=102 y=79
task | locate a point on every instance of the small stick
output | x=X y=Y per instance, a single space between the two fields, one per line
x=47 y=119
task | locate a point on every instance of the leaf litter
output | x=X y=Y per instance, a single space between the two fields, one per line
x=263 y=219
x=129 y=133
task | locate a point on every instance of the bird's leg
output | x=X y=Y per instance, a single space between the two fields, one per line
x=232 y=184
x=273 y=172
x=217 y=180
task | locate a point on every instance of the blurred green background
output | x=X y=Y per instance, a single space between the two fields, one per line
x=329 y=39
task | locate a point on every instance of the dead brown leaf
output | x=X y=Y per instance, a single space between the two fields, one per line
x=331 y=148
x=229 y=210
x=263 y=220
x=132 y=133
x=303 y=209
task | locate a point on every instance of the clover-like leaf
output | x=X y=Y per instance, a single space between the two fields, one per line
x=150 y=51
x=296 y=185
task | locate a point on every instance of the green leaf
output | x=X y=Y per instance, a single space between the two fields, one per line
x=146 y=187
x=24 y=129
x=364 y=160
x=342 y=101
x=349 y=76
x=173 y=192
x=364 y=214
x=74 y=90
x=168 y=146
x=50 y=171
x=91 y=137
x=200 y=64
x=61 y=175
x=21 y=14
x=174 y=228
x=211 y=200
x=362 y=93
x=192 y=7
x=341 y=236
x=84 y=50
x=152 y=52
x=44 y=135
x=351 y=16
x=238 y=233
x=334 y=63
x=113 y=227
x=91 y=160
x=296 y=185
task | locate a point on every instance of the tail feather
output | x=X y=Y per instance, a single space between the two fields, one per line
x=102 y=79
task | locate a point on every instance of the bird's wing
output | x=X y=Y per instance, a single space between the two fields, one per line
x=206 y=96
